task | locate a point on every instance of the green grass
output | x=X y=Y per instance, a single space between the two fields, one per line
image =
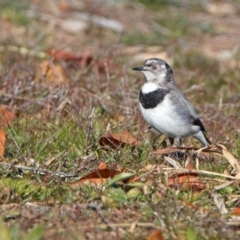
x=14 y=11
x=58 y=130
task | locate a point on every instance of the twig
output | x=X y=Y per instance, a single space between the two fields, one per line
x=184 y=170
x=122 y=225
x=97 y=208
x=219 y=202
x=24 y=51
x=174 y=163
x=201 y=172
x=39 y=170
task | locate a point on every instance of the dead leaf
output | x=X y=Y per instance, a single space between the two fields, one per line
x=83 y=59
x=235 y=211
x=232 y=160
x=155 y=235
x=97 y=177
x=2 y=142
x=6 y=116
x=186 y=181
x=189 y=166
x=102 y=165
x=51 y=75
x=119 y=117
x=221 y=150
x=102 y=173
x=118 y=139
x=63 y=55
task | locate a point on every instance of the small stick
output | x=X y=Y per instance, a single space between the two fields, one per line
x=39 y=170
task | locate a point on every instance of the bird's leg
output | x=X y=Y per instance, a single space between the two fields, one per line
x=171 y=140
x=179 y=154
x=179 y=142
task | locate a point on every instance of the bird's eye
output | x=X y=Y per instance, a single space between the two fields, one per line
x=154 y=67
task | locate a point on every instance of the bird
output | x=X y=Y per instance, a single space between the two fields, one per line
x=164 y=107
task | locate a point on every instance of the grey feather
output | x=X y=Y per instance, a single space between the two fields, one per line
x=180 y=115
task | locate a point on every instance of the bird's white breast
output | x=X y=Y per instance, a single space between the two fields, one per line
x=149 y=87
x=165 y=119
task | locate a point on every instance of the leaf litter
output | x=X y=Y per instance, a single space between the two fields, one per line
x=135 y=192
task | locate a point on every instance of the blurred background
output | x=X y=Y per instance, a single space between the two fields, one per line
x=67 y=86
x=80 y=54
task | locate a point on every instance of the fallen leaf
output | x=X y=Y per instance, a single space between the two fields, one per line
x=232 y=160
x=235 y=211
x=186 y=181
x=2 y=142
x=102 y=173
x=63 y=55
x=119 y=117
x=50 y=74
x=189 y=166
x=102 y=165
x=99 y=176
x=6 y=116
x=155 y=235
x=118 y=139
x=221 y=150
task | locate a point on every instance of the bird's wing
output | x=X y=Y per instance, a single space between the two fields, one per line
x=186 y=110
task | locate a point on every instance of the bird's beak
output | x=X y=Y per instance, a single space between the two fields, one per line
x=141 y=68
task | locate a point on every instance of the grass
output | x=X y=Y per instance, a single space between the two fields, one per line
x=15 y=12
x=58 y=129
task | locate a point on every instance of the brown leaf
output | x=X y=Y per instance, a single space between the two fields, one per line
x=155 y=235
x=6 y=116
x=99 y=176
x=102 y=165
x=83 y=60
x=235 y=211
x=63 y=55
x=186 y=181
x=189 y=166
x=118 y=139
x=51 y=75
x=2 y=142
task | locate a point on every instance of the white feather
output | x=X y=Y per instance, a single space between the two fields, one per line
x=165 y=119
x=149 y=75
x=149 y=87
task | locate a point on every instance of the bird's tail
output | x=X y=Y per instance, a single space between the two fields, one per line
x=208 y=141
x=201 y=136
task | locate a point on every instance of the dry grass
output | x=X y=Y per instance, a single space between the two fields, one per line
x=60 y=122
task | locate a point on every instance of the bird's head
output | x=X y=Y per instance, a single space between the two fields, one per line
x=157 y=70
